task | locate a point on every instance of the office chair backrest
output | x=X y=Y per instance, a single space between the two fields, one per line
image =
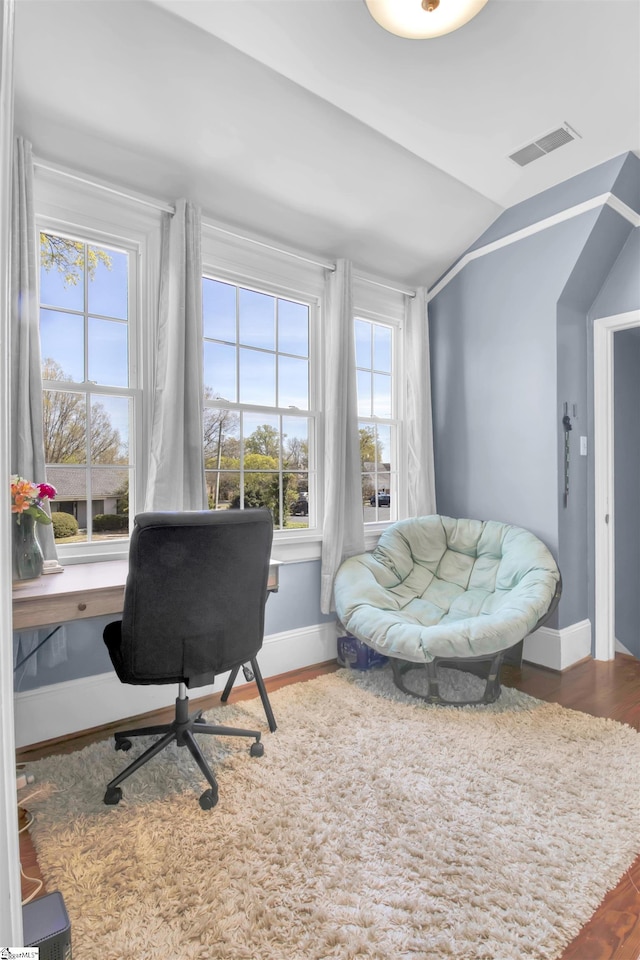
x=195 y=594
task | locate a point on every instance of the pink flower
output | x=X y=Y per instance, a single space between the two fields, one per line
x=47 y=492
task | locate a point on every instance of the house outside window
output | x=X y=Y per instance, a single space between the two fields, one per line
x=87 y=296
x=259 y=415
x=377 y=423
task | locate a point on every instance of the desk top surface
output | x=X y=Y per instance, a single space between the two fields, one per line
x=75 y=578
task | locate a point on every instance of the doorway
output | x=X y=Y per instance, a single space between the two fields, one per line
x=605 y=349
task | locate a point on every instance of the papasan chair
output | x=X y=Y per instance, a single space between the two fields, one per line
x=437 y=591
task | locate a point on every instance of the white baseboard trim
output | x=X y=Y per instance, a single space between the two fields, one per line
x=559 y=649
x=75 y=705
x=620 y=648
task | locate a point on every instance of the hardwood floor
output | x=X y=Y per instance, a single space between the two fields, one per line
x=602 y=689
x=609 y=689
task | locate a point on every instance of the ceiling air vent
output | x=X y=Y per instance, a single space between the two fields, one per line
x=547 y=143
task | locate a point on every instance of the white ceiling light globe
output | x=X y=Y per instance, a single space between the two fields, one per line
x=418 y=20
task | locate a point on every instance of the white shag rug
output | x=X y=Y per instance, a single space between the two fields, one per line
x=374 y=828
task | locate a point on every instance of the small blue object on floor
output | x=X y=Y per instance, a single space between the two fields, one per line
x=356 y=655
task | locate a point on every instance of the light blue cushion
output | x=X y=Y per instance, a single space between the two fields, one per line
x=439 y=587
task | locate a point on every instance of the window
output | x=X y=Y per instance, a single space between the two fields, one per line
x=376 y=423
x=86 y=297
x=259 y=418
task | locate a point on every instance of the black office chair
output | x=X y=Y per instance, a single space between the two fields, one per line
x=193 y=608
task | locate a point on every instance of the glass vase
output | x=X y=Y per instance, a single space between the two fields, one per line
x=27 y=555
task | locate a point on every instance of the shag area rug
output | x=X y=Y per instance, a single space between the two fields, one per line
x=374 y=827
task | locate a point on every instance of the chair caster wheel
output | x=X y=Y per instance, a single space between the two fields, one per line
x=123 y=745
x=113 y=795
x=209 y=799
x=201 y=720
x=257 y=749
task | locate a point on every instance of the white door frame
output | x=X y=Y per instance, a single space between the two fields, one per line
x=10 y=902
x=603 y=450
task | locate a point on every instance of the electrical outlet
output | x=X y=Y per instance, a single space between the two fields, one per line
x=583 y=446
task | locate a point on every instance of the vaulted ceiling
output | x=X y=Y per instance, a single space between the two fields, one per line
x=306 y=122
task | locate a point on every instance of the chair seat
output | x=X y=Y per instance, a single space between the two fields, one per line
x=438 y=587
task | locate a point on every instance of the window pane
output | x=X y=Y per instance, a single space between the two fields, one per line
x=221 y=438
x=61 y=272
x=363 y=344
x=364 y=394
x=110 y=425
x=220 y=371
x=108 y=352
x=62 y=346
x=293 y=383
x=257 y=319
x=71 y=497
x=108 y=282
x=270 y=465
x=295 y=443
x=64 y=420
x=382 y=348
x=368 y=494
x=369 y=450
x=257 y=378
x=109 y=504
x=263 y=490
x=219 y=310
x=223 y=489
x=297 y=500
x=293 y=328
x=261 y=441
x=381 y=395
x=383 y=436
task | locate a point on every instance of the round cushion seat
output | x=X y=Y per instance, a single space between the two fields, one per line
x=438 y=587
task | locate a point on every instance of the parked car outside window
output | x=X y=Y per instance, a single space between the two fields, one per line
x=384 y=499
x=300 y=508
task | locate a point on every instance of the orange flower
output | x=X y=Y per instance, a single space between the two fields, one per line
x=26 y=497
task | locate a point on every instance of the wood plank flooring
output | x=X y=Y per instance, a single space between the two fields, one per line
x=610 y=689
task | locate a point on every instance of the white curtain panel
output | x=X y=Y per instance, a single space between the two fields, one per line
x=27 y=438
x=176 y=479
x=421 y=484
x=343 y=530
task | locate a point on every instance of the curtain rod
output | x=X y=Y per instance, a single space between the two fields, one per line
x=327 y=264
x=146 y=201
x=169 y=208
x=387 y=286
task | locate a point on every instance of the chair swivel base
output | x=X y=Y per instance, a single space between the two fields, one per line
x=489 y=664
x=182 y=730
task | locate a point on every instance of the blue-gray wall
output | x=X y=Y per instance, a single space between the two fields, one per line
x=621 y=292
x=510 y=344
x=576 y=533
x=626 y=344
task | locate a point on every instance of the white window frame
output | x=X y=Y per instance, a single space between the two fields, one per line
x=303 y=543
x=381 y=304
x=85 y=212
x=255 y=264
x=393 y=422
x=88 y=388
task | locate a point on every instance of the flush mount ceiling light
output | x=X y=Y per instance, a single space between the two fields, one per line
x=421 y=19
